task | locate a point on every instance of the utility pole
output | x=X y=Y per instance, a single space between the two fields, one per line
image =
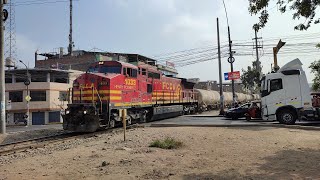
x=2 y=72
x=70 y=48
x=231 y=61
x=231 y=58
x=258 y=66
x=220 y=72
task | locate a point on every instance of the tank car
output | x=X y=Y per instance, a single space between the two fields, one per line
x=207 y=99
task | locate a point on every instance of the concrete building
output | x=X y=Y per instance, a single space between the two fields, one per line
x=81 y=60
x=48 y=90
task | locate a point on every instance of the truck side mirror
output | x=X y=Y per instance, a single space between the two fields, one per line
x=264 y=93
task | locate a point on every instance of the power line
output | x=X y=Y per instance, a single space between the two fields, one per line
x=170 y=58
x=42 y=3
x=181 y=51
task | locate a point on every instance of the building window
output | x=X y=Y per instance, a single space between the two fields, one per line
x=38 y=95
x=63 y=95
x=16 y=96
x=21 y=77
x=59 y=78
x=8 y=80
x=38 y=77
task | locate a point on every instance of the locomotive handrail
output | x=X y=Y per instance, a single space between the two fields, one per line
x=99 y=99
x=92 y=97
x=80 y=95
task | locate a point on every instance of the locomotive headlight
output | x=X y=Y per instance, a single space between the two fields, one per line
x=76 y=84
x=67 y=112
x=84 y=112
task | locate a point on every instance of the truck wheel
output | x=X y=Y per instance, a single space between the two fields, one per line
x=287 y=116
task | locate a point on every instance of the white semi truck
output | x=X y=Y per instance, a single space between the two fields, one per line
x=285 y=95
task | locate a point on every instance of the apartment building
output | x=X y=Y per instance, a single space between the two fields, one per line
x=48 y=90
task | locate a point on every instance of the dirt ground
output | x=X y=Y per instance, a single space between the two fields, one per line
x=208 y=153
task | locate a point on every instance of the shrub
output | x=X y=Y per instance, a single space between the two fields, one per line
x=167 y=143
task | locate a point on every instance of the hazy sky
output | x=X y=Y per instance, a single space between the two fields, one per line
x=156 y=27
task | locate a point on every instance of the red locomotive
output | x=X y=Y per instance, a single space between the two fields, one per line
x=109 y=86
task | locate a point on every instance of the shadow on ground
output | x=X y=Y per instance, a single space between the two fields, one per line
x=286 y=164
x=253 y=128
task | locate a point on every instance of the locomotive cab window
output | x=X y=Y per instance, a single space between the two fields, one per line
x=105 y=69
x=110 y=69
x=143 y=72
x=153 y=75
x=130 y=72
x=93 y=69
x=134 y=73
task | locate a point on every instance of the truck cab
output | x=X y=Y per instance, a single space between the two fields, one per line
x=285 y=95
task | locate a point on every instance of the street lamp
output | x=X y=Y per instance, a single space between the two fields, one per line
x=27 y=83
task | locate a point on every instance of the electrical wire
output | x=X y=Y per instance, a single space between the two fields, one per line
x=28 y=3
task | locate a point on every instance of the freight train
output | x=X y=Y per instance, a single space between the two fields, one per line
x=99 y=95
x=208 y=99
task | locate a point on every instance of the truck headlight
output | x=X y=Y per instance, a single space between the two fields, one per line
x=67 y=112
x=84 y=112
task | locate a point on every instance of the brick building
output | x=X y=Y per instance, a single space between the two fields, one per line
x=81 y=60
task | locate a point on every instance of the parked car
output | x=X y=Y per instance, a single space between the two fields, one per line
x=22 y=121
x=239 y=112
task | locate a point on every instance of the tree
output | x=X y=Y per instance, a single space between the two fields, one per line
x=315 y=68
x=301 y=8
x=250 y=78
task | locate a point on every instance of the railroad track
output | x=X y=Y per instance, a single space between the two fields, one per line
x=20 y=146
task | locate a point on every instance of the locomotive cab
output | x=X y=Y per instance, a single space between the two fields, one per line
x=95 y=92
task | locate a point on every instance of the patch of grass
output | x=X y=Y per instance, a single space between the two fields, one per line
x=167 y=143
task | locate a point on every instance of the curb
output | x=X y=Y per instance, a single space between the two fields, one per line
x=204 y=116
x=240 y=125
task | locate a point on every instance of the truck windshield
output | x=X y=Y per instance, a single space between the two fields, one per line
x=105 y=69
